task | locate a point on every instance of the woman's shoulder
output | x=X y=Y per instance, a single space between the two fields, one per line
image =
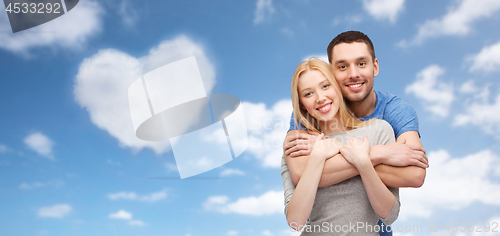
x=382 y=131
x=381 y=124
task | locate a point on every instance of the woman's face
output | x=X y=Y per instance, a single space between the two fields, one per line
x=318 y=96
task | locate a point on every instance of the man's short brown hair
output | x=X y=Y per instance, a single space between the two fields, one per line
x=350 y=37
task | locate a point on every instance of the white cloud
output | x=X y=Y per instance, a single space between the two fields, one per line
x=290 y=232
x=468 y=87
x=263 y=11
x=136 y=223
x=487 y=60
x=453 y=184
x=152 y=197
x=266 y=233
x=122 y=195
x=171 y=167
x=267 y=129
x=125 y=215
x=384 y=9
x=350 y=19
x=68 y=31
x=232 y=232
x=458 y=20
x=229 y=171
x=481 y=113
x=128 y=13
x=215 y=200
x=436 y=96
x=54 y=183
x=56 y=211
x=40 y=144
x=288 y=32
x=101 y=86
x=266 y=204
x=115 y=163
x=3 y=148
x=121 y=214
x=322 y=57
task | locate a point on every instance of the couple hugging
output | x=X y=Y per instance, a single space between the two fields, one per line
x=349 y=148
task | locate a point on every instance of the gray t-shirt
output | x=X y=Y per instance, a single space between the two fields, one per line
x=344 y=208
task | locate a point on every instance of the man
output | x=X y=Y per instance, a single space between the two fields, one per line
x=401 y=164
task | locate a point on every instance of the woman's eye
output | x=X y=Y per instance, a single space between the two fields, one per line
x=326 y=86
x=307 y=94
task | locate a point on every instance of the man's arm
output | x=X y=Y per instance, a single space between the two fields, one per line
x=337 y=169
x=412 y=153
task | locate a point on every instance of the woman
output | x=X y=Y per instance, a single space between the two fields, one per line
x=353 y=206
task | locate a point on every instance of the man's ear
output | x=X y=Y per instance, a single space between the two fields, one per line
x=375 y=67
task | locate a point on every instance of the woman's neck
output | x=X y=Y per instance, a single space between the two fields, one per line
x=332 y=126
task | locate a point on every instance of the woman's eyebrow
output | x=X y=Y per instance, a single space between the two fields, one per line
x=302 y=91
x=322 y=82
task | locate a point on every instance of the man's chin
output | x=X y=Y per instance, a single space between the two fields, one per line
x=353 y=98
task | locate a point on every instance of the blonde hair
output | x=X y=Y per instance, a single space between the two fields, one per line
x=301 y=115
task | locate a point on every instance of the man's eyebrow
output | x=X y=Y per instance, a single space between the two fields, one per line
x=357 y=59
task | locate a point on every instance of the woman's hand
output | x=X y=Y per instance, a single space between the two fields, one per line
x=357 y=152
x=325 y=148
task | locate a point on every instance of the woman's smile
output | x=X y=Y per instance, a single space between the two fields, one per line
x=325 y=108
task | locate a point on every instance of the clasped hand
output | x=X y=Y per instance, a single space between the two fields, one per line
x=396 y=154
x=325 y=148
x=356 y=151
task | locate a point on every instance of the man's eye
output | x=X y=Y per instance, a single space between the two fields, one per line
x=362 y=63
x=342 y=67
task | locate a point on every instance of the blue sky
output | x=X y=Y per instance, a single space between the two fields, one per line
x=70 y=164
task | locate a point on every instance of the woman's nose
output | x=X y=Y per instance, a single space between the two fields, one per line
x=321 y=98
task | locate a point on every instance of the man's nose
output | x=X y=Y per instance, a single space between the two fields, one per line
x=353 y=72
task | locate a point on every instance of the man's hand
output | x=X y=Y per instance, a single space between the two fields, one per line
x=400 y=154
x=299 y=143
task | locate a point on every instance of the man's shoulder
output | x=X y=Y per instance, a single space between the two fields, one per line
x=392 y=102
x=386 y=97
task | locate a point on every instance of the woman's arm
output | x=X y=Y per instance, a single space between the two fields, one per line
x=297 y=148
x=302 y=201
x=381 y=199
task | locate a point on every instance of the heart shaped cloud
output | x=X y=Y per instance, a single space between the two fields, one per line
x=101 y=85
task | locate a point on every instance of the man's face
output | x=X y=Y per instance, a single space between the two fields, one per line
x=354 y=70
